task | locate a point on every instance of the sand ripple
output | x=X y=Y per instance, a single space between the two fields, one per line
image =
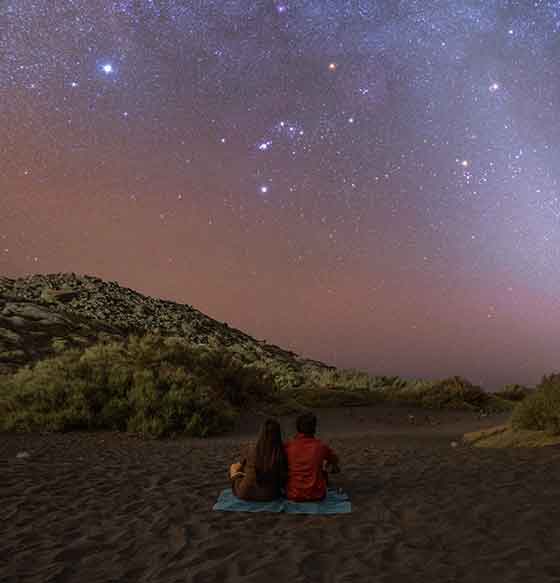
x=106 y=507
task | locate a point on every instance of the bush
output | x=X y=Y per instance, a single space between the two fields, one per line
x=315 y=397
x=541 y=409
x=159 y=386
x=150 y=385
x=514 y=392
x=451 y=393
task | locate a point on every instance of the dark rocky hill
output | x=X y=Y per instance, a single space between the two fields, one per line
x=41 y=313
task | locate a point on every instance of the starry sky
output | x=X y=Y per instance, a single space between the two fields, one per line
x=374 y=184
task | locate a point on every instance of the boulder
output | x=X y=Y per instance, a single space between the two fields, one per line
x=51 y=295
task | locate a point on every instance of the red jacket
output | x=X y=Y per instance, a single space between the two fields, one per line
x=306 y=479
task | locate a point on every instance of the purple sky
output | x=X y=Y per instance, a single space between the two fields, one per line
x=372 y=184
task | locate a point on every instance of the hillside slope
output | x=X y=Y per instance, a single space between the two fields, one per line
x=43 y=312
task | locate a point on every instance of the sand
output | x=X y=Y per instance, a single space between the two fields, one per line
x=110 y=507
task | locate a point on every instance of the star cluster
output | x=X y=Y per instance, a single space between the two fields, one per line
x=373 y=184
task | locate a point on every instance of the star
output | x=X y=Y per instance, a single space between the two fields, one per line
x=348 y=109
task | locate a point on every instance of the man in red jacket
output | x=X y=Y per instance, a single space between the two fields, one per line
x=308 y=459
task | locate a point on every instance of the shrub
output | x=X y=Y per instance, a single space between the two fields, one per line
x=314 y=397
x=513 y=392
x=159 y=386
x=150 y=385
x=541 y=409
x=450 y=393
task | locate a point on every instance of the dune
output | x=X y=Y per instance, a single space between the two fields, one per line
x=111 y=507
x=506 y=436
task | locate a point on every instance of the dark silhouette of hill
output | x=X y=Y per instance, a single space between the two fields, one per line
x=41 y=313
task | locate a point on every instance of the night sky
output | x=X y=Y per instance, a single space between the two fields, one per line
x=374 y=184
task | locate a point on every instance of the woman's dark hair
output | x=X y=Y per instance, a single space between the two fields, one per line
x=270 y=459
x=307 y=424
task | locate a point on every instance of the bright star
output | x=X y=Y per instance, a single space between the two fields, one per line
x=107 y=68
x=263 y=146
x=494 y=87
x=264 y=189
x=332 y=66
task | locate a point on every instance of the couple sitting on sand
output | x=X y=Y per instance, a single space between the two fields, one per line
x=299 y=467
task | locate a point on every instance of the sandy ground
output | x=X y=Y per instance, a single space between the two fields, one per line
x=113 y=508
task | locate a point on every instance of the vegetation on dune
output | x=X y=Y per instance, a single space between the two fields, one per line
x=159 y=385
x=535 y=421
x=514 y=392
x=150 y=385
x=540 y=410
x=451 y=393
x=504 y=436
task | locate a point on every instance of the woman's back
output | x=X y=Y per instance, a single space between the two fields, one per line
x=255 y=485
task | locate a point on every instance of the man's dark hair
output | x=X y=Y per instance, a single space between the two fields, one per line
x=307 y=424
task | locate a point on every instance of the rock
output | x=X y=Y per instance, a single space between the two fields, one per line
x=52 y=295
x=9 y=335
x=79 y=340
x=29 y=311
x=59 y=344
x=16 y=355
x=15 y=322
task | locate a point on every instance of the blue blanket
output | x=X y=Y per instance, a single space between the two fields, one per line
x=334 y=503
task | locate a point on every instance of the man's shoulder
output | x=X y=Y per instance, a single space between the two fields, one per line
x=305 y=441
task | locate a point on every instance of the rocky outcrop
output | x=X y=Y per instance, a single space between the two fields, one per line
x=31 y=331
x=41 y=313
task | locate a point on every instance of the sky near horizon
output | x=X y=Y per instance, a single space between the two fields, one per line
x=374 y=184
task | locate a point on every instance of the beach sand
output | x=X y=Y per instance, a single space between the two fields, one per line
x=109 y=507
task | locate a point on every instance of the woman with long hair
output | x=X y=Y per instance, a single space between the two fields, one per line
x=263 y=469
